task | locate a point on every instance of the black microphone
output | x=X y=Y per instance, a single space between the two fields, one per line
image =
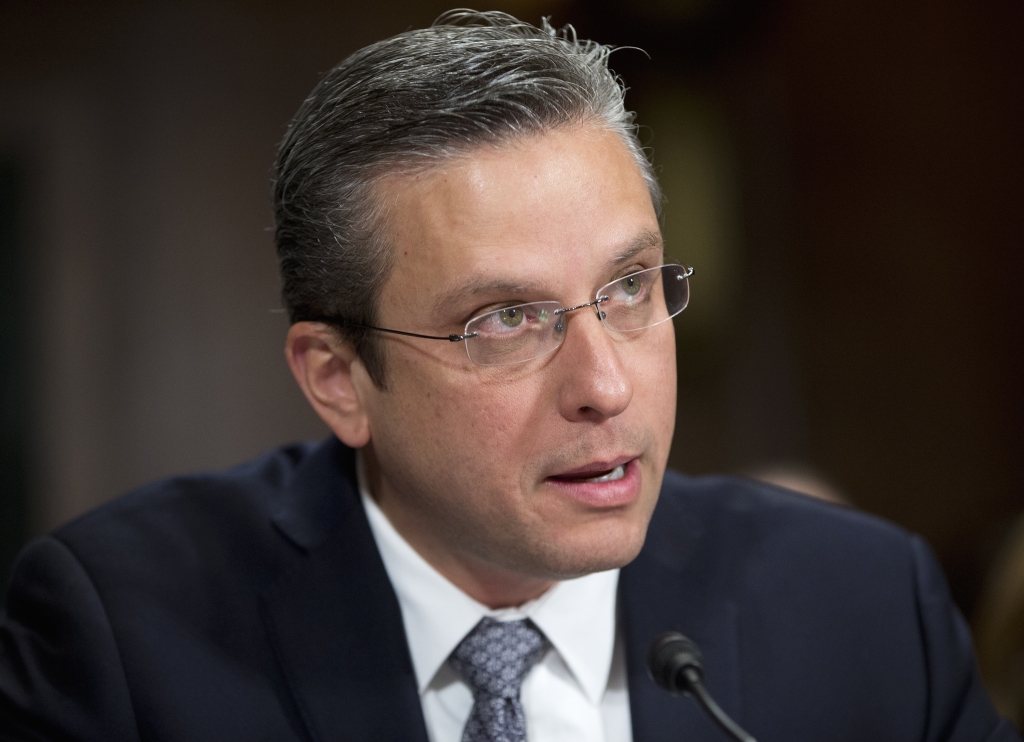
x=675 y=664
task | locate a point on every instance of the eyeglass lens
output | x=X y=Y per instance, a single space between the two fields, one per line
x=634 y=302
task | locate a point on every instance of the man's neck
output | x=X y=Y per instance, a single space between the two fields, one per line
x=487 y=584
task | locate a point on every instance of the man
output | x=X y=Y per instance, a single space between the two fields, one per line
x=469 y=243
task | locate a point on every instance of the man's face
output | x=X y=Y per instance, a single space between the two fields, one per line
x=488 y=465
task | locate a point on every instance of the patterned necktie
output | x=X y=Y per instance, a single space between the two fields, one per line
x=493 y=659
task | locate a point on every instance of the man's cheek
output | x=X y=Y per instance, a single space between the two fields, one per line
x=503 y=415
x=656 y=379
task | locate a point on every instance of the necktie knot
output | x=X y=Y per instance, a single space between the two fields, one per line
x=493 y=659
x=495 y=656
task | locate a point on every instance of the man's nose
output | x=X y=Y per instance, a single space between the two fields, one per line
x=595 y=385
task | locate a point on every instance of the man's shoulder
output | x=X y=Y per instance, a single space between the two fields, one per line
x=726 y=500
x=760 y=523
x=252 y=488
x=727 y=557
x=226 y=522
x=793 y=598
x=158 y=599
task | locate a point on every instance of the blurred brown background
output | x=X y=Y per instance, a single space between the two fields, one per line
x=847 y=176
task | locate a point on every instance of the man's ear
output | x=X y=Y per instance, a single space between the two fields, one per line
x=333 y=379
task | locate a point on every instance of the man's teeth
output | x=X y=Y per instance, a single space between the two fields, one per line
x=617 y=473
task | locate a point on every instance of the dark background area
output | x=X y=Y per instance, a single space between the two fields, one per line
x=847 y=177
x=14 y=376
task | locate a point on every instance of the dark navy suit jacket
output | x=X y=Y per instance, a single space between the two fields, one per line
x=253 y=605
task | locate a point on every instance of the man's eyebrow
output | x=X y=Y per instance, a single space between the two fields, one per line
x=484 y=286
x=643 y=241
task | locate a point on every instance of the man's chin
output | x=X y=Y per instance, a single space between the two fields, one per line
x=580 y=556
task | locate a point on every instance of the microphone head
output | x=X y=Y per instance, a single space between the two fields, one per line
x=673 y=660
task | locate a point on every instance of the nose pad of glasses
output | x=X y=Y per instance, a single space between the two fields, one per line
x=601 y=315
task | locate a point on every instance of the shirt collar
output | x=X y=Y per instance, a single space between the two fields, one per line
x=577 y=616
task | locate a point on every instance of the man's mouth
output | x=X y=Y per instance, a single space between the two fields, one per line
x=601 y=484
x=609 y=470
x=609 y=475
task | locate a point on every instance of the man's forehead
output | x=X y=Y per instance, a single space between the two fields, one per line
x=544 y=219
x=563 y=168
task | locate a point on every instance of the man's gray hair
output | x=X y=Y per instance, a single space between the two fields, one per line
x=405 y=104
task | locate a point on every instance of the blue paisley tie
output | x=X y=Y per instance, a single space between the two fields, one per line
x=493 y=659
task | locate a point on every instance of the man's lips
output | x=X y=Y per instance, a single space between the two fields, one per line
x=601 y=484
x=593 y=469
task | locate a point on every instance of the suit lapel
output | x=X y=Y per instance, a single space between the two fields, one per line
x=678 y=584
x=334 y=619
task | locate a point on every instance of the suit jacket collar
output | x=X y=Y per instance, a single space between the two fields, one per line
x=320 y=496
x=334 y=619
x=337 y=626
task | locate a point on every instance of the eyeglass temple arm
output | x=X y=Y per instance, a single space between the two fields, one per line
x=450 y=338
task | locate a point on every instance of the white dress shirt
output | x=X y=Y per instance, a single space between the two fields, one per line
x=576 y=693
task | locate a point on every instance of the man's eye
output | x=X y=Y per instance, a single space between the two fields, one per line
x=631 y=285
x=511 y=317
x=509 y=321
x=628 y=288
